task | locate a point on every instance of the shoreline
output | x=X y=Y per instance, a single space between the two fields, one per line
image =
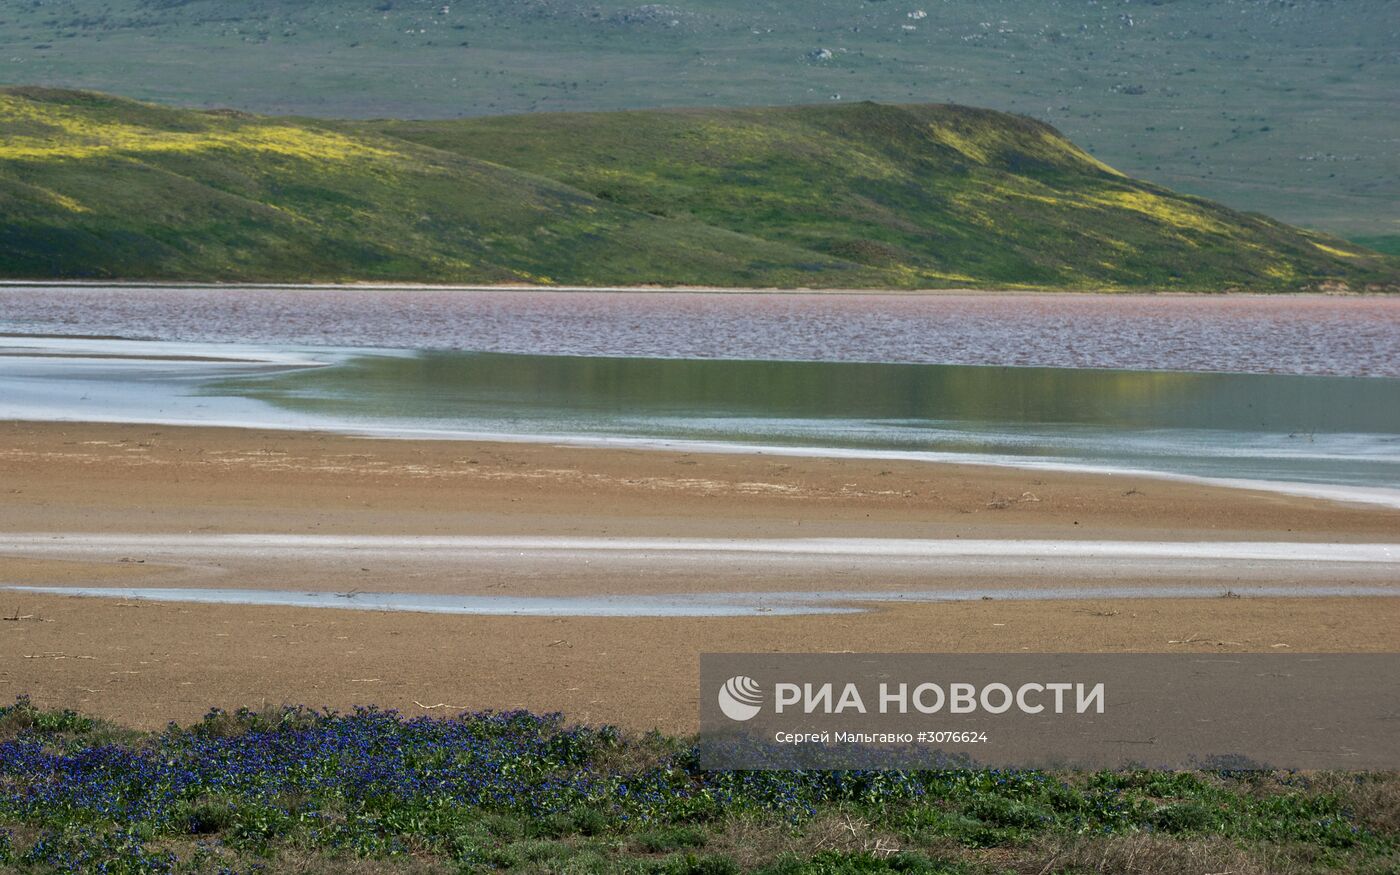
x=151 y=466
x=713 y=290
x=146 y=662
x=1370 y=496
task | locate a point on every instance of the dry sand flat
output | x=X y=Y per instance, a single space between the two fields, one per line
x=65 y=477
x=149 y=662
x=146 y=663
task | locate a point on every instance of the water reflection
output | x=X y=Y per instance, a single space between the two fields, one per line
x=448 y=385
x=1276 y=427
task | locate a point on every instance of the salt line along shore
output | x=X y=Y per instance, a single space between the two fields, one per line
x=466 y=575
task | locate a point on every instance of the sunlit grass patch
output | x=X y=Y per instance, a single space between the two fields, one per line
x=1160 y=209
x=33 y=130
x=1333 y=250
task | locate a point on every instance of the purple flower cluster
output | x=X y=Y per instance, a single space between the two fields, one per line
x=372 y=782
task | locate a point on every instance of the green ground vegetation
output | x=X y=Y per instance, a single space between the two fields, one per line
x=292 y=790
x=861 y=195
x=1284 y=108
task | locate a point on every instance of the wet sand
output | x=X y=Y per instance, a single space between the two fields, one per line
x=146 y=663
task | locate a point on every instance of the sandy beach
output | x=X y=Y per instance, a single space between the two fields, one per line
x=148 y=662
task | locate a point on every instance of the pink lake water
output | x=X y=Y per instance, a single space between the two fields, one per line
x=1303 y=334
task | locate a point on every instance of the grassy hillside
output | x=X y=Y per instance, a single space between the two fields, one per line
x=1279 y=107
x=829 y=196
x=930 y=193
x=93 y=186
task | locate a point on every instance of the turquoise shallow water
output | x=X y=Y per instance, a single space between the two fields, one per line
x=1301 y=393
x=1261 y=427
x=1339 y=432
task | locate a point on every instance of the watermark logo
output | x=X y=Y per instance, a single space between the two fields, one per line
x=740 y=698
x=1049 y=710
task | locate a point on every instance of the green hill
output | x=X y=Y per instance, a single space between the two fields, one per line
x=1285 y=107
x=830 y=196
x=94 y=186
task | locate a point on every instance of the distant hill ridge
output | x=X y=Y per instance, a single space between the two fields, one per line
x=858 y=195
